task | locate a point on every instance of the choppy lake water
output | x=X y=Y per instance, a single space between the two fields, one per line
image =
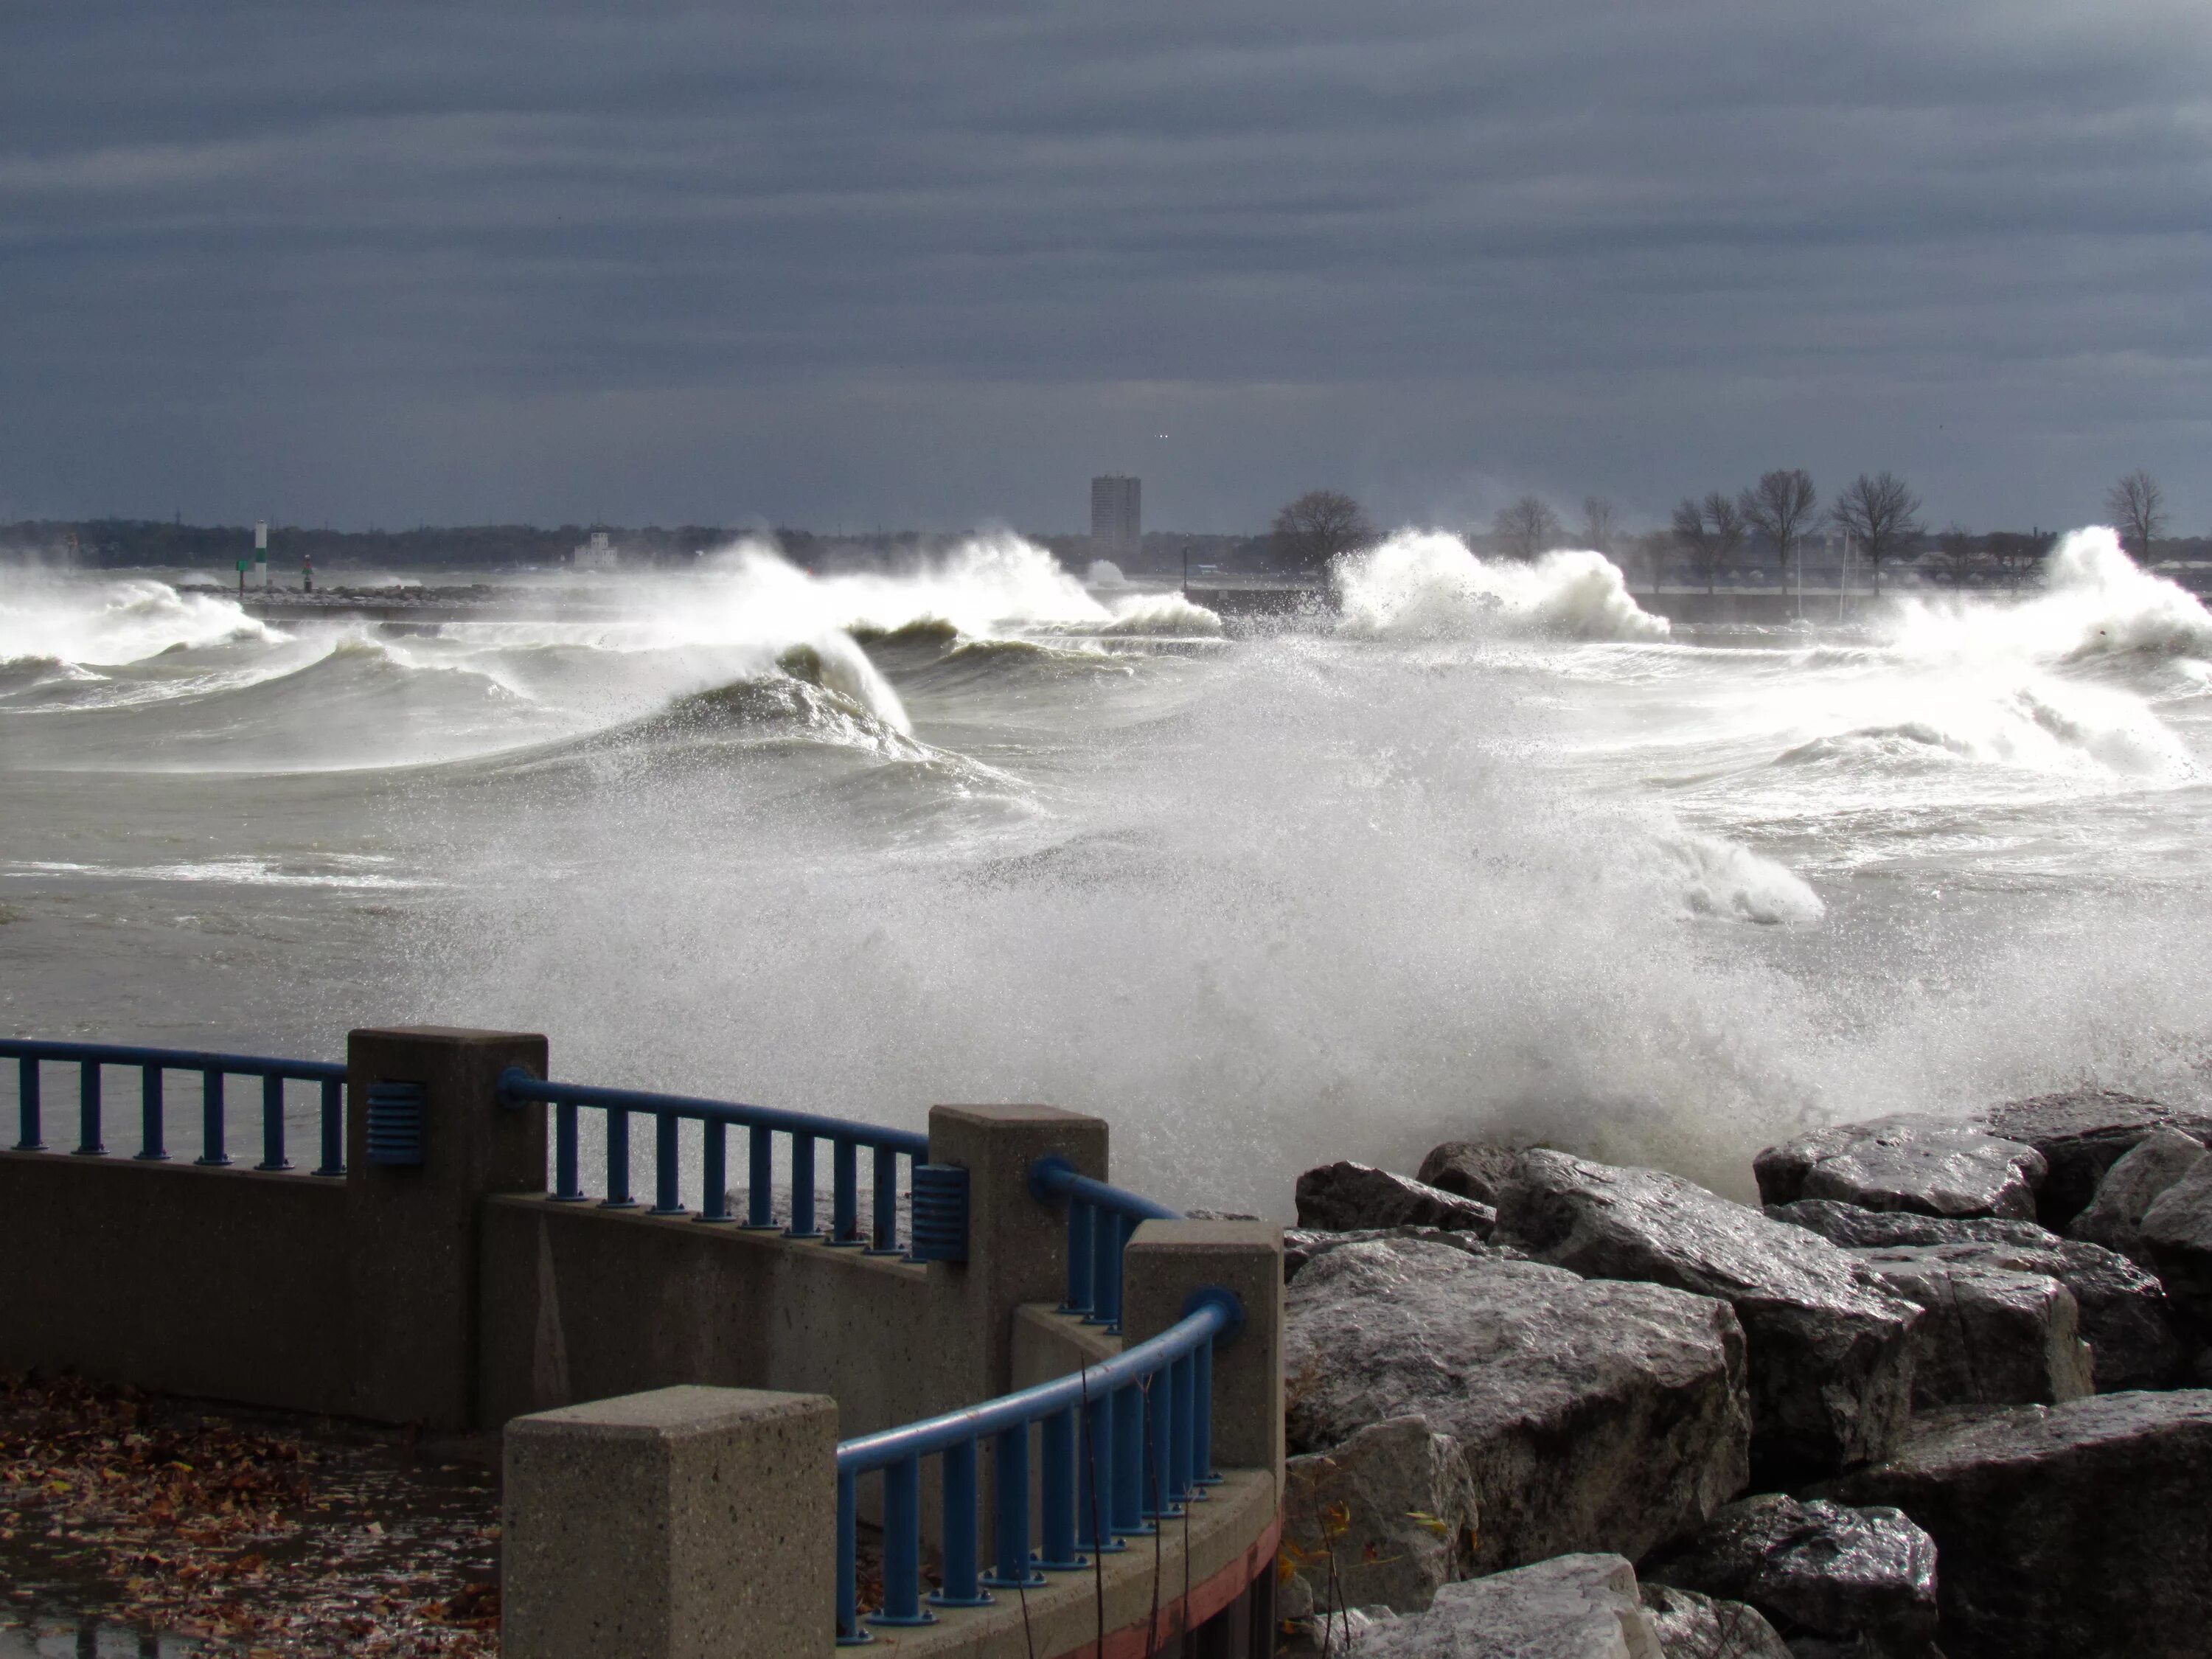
x=1493 y=852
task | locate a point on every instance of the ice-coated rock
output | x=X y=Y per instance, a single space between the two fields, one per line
x=1816 y=1568
x=1694 y=1627
x=2132 y=1342
x=1302 y=1244
x=1386 y=1519
x=2177 y=1236
x=2114 y=1218
x=2081 y=1133
x=1588 y=1415
x=1339 y=1197
x=1995 y=1335
x=1571 y=1607
x=2075 y=1531
x=1906 y=1162
x=1830 y=1350
x=1471 y=1169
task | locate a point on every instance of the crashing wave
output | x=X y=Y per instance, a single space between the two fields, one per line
x=2095 y=602
x=1426 y=585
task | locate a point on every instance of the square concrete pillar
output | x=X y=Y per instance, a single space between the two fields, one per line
x=682 y=1524
x=1165 y=1263
x=414 y=1227
x=1017 y=1244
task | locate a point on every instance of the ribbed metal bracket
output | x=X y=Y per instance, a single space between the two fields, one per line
x=395 y=1124
x=940 y=1212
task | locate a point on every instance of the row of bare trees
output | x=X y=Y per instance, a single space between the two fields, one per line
x=1877 y=510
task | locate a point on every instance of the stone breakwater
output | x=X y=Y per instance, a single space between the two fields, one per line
x=1938 y=1398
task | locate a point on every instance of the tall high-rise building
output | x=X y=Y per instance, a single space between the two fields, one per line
x=1117 y=518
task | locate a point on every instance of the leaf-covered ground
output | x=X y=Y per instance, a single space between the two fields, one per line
x=254 y=1534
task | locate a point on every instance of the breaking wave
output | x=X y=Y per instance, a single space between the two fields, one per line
x=2095 y=601
x=1426 y=585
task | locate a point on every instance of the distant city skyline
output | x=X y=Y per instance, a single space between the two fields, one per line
x=938 y=267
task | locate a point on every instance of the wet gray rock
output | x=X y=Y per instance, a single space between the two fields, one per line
x=1907 y=1161
x=1340 y=1197
x=2074 y=1531
x=1694 y=1627
x=1571 y=1607
x=1386 y=1519
x=2081 y=1133
x=1468 y=1168
x=2177 y=1236
x=1588 y=1415
x=2124 y=1315
x=1816 y=1568
x=2114 y=1218
x=1830 y=1350
x=1994 y=1335
x=1302 y=1244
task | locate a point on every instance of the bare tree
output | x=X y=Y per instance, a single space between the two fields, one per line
x=1318 y=526
x=1695 y=538
x=1729 y=528
x=2138 y=508
x=1601 y=524
x=1780 y=507
x=1528 y=528
x=1959 y=557
x=2015 y=554
x=1880 y=515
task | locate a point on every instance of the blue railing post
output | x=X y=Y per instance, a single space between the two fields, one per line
x=1058 y=1487
x=1183 y=1372
x=760 y=1179
x=802 y=1188
x=1094 y=1483
x=150 y=1148
x=212 y=1151
x=1202 y=1472
x=1159 y=1443
x=28 y=1129
x=885 y=1233
x=1080 y=1226
x=849 y=1633
x=88 y=1142
x=902 y=1546
x=1009 y=1455
x=272 y=1124
x=961 y=1523
x=617 y=1196
x=568 y=1184
x=713 y=1170
x=333 y=1162
x=844 y=1191
x=667 y=1168
x=1128 y=1502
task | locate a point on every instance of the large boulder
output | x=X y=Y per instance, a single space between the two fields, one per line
x=2132 y=1342
x=2075 y=1531
x=1386 y=1519
x=1994 y=1335
x=2081 y=1133
x=1588 y=1415
x=1830 y=1350
x=1338 y=1197
x=1904 y=1163
x=1816 y=1569
x=1694 y=1627
x=1572 y=1606
x=1302 y=1244
x=1471 y=1169
x=2114 y=1218
x=2177 y=1236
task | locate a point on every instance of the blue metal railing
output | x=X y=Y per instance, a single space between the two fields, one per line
x=1100 y=1220
x=1124 y=1445
x=154 y=1065
x=716 y=1118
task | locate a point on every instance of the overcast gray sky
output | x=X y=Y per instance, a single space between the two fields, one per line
x=934 y=264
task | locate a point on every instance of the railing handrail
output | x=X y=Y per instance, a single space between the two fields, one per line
x=172 y=1060
x=1217 y=1315
x=1056 y=1177
x=517 y=1087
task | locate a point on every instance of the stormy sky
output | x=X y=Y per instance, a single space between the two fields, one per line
x=934 y=264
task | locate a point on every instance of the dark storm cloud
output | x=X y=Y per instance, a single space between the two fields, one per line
x=938 y=262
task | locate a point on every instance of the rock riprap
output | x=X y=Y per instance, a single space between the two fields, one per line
x=2077 y=1531
x=1694 y=1627
x=1386 y=1519
x=1905 y=1162
x=2081 y=1133
x=2114 y=1217
x=1472 y=1169
x=2177 y=1236
x=2132 y=1342
x=1341 y=1197
x=1818 y=1569
x=1994 y=1335
x=1588 y=1415
x=1829 y=1349
x=1302 y=1244
x=1572 y=1606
